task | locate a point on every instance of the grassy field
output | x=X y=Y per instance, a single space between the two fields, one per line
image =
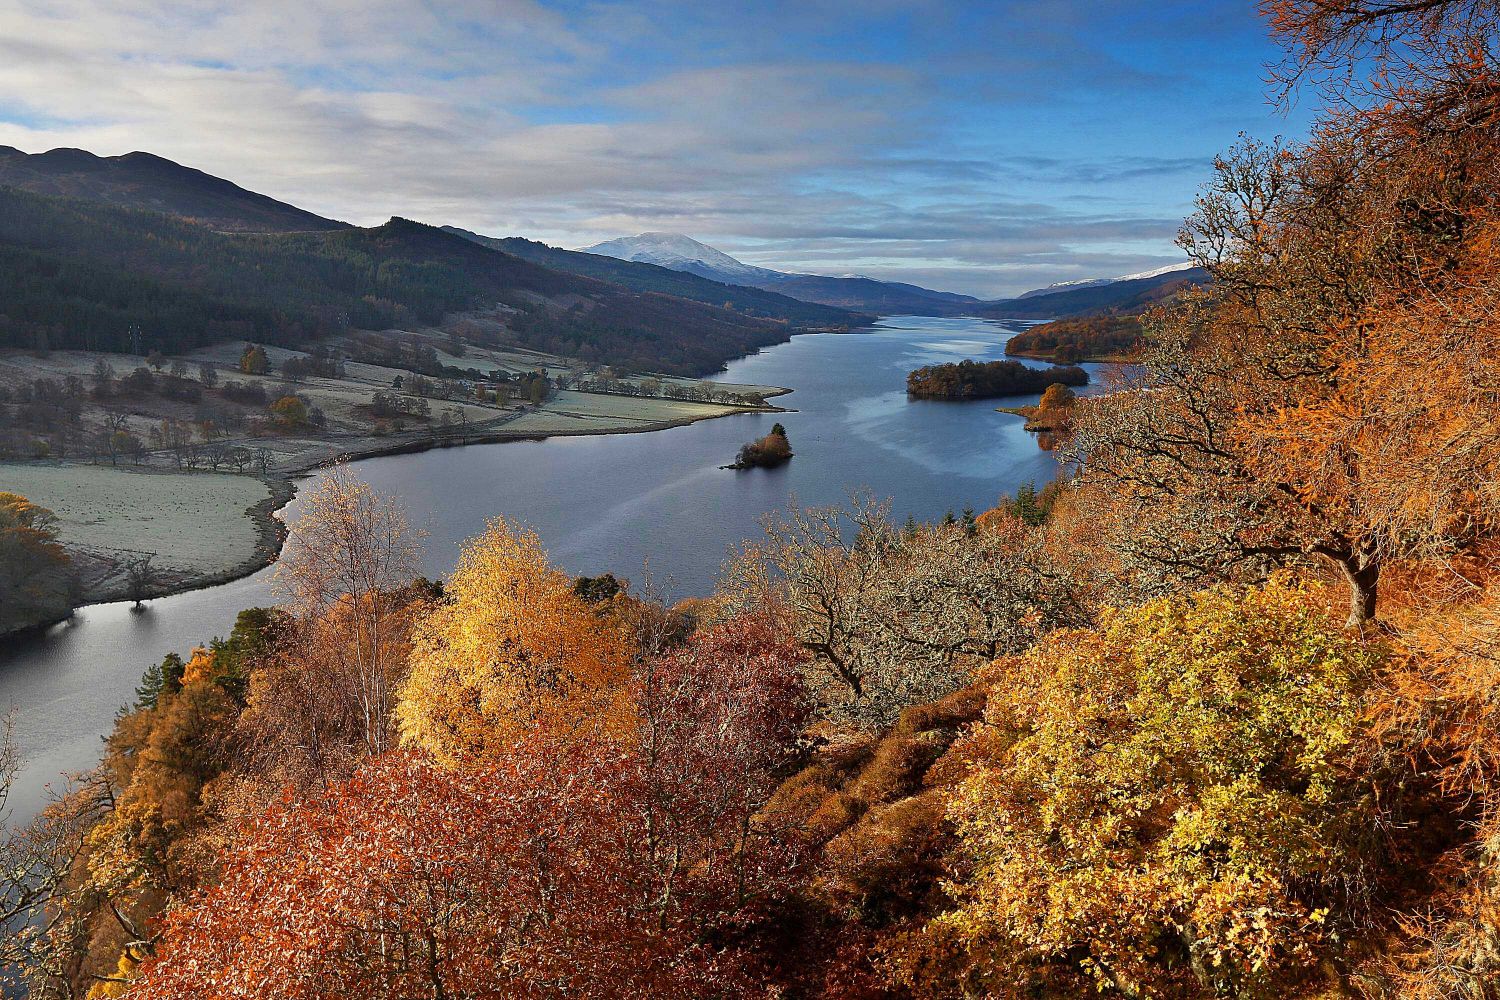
x=194 y=522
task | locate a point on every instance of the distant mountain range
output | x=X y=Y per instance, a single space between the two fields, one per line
x=649 y=277
x=683 y=253
x=1127 y=293
x=93 y=246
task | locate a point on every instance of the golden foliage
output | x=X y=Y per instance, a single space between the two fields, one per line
x=512 y=650
x=1177 y=796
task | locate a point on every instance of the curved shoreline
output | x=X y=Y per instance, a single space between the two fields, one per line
x=272 y=531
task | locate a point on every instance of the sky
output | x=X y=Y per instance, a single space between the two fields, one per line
x=978 y=147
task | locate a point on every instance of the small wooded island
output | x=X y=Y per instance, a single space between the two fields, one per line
x=975 y=380
x=764 y=453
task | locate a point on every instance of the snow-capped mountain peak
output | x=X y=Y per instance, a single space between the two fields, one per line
x=1066 y=286
x=681 y=253
x=856 y=292
x=1186 y=265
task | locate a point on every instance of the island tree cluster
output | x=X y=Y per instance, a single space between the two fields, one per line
x=989 y=379
x=765 y=452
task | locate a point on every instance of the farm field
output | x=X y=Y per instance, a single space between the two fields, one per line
x=195 y=523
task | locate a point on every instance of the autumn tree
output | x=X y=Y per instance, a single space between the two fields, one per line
x=290 y=412
x=1057 y=397
x=140 y=821
x=36 y=577
x=350 y=555
x=254 y=360
x=305 y=723
x=512 y=649
x=720 y=719
x=1444 y=702
x=1319 y=401
x=416 y=880
x=1328 y=42
x=1183 y=801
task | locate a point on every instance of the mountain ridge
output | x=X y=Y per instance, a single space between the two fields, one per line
x=1063 y=286
x=1129 y=294
x=641 y=276
x=148 y=182
x=680 y=252
x=80 y=274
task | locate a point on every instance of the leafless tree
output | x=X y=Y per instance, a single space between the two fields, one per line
x=141 y=576
x=894 y=617
x=350 y=552
x=36 y=859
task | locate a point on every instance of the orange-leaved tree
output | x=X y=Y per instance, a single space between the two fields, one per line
x=513 y=649
x=1321 y=401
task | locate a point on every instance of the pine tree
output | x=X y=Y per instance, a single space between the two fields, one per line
x=1026 y=506
x=165 y=676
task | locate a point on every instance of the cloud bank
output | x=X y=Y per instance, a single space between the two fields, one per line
x=979 y=147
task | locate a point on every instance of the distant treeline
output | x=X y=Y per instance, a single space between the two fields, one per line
x=975 y=380
x=88 y=276
x=1068 y=341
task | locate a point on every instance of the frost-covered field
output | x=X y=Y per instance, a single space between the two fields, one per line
x=648 y=410
x=194 y=522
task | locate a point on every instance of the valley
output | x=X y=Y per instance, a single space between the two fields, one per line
x=189 y=467
x=651 y=506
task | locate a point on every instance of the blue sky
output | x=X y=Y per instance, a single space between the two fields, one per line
x=979 y=147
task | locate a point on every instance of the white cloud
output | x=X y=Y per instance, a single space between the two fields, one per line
x=506 y=116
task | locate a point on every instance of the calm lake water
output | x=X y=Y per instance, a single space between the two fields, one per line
x=608 y=503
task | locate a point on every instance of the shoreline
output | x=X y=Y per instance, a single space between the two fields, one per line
x=272 y=531
x=1097 y=359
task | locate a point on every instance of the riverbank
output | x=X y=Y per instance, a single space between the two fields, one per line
x=207 y=528
x=1053 y=420
x=1102 y=358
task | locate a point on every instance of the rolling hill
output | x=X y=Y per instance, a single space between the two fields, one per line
x=80 y=274
x=151 y=183
x=1130 y=294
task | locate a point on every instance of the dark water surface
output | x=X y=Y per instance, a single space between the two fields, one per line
x=606 y=503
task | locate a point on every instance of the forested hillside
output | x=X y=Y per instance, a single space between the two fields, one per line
x=1215 y=715
x=1108 y=337
x=869 y=295
x=82 y=275
x=1118 y=296
x=154 y=184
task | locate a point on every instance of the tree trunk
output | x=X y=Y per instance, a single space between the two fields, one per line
x=1363 y=576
